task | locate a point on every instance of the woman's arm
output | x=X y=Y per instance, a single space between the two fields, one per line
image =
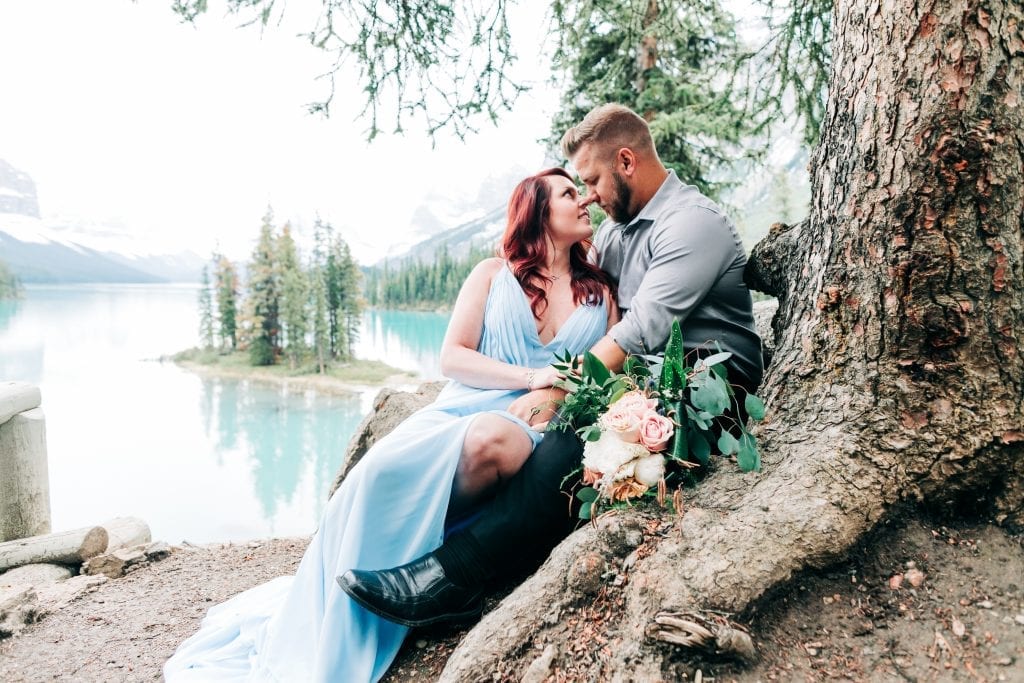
x=459 y=358
x=613 y=308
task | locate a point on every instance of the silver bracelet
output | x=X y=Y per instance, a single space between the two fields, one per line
x=530 y=375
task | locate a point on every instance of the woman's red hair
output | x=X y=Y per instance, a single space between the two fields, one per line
x=525 y=247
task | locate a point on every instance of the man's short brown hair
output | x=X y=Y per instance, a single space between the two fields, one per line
x=611 y=127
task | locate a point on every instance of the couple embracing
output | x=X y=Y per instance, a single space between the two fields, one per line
x=469 y=488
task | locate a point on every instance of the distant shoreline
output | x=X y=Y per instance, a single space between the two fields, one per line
x=352 y=377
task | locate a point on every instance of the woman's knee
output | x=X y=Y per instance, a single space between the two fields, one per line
x=496 y=442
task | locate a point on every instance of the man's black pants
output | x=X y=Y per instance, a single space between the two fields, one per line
x=528 y=516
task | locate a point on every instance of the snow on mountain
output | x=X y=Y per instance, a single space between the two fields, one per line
x=17 y=192
x=66 y=250
x=459 y=223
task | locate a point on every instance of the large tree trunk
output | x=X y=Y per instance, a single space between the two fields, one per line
x=898 y=373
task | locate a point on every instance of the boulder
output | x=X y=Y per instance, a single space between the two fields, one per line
x=35 y=575
x=18 y=607
x=389 y=409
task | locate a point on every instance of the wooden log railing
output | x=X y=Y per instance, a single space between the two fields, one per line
x=24 y=478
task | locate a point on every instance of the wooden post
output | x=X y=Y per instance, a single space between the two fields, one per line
x=24 y=479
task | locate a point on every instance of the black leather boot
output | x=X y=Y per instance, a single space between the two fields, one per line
x=414 y=594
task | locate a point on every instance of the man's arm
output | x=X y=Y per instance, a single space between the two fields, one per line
x=690 y=251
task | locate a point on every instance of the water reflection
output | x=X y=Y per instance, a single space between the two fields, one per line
x=8 y=309
x=293 y=441
x=410 y=340
x=197 y=458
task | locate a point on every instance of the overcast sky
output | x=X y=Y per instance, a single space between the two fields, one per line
x=183 y=135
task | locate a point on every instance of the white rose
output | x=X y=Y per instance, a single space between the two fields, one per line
x=609 y=453
x=650 y=470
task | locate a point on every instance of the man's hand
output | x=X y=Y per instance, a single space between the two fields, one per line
x=537 y=407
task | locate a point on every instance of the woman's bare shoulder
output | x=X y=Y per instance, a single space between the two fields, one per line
x=488 y=268
x=483 y=273
x=490 y=265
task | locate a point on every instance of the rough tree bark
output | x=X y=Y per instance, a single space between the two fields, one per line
x=898 y=374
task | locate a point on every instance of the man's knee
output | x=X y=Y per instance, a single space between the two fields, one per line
x=557 y=455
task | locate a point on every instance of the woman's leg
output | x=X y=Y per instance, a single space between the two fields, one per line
x=494 y=450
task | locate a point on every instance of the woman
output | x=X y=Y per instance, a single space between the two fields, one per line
x=512 y=317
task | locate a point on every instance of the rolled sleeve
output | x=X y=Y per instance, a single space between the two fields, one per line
x=690 y=250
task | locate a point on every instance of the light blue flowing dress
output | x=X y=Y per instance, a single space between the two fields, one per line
x=389 y=510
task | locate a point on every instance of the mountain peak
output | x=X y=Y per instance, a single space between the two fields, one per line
x=17 y=192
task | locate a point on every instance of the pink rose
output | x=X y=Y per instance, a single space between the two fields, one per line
x=622 y=421
x=655 y=431
x=636 y=403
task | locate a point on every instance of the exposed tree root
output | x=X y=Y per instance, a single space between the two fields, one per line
x=742 y=536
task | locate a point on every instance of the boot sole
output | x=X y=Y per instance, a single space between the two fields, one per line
x=454 y=618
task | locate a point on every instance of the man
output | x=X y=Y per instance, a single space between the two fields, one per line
x=675 y=256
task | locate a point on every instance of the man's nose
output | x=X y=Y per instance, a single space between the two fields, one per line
x=588 y=199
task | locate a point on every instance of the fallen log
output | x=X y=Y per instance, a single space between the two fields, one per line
x=125 y=532
x=65 y=547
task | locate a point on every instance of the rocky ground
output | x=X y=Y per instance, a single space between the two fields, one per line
x=924 y=600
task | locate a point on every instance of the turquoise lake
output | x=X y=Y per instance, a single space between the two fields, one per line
x=198 y=459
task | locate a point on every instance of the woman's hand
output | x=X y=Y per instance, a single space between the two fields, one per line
x=542 y=378
x=537 y=407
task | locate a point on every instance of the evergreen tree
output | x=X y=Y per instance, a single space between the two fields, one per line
x=667 y=60
x=318 y=296
x=332 y=279
x=10 y=287
x=264 y=297
x=227 y=302
x=414 y=284
x=294 y=298
x=206 y=324
x=350 y=303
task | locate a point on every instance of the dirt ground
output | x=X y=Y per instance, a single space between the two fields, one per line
x=860 y=620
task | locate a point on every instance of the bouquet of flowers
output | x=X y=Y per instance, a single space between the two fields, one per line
x=656 y=417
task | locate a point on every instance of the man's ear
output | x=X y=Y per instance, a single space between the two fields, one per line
x=625 y=161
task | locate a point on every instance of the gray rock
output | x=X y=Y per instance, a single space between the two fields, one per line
x=35 y=575
x=540 y=668
x=389 y=409
x=18 y=607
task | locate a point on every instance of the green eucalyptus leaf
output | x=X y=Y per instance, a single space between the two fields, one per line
x=754 y=407
x=587 y=494
x=695 y=417
x=595 y=369
x=714 y=359
x=699 y=446
x=586 y=510
x=748 y=457
x=711 y=396
x=727 y=444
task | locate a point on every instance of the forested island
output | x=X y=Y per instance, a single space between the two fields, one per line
x=10 y=286
x=290 y=315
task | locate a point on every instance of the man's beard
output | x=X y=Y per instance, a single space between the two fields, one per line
x=619 y=208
